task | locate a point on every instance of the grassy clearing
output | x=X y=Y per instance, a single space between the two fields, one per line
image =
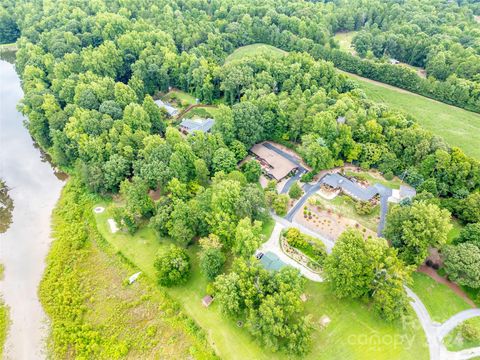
x=350 y=320
x=457 y=126
x=254 y=50
x=374 y=177
x=4 y=322
x=440 y=301
x=201 y=112
x=455 y=231
x=356 y=333
x=344 y=39
x=94 y=313
x=454 y=341
x=345 y=206
x=179 y=98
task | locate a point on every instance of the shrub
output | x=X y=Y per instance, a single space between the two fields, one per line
x=280 y=204
x=211 y=262
x=307 y=245
x=469 y=331
x=307 y=177
x=295 y=191
x=172 y=267
x=388 y=175
x=364 y=207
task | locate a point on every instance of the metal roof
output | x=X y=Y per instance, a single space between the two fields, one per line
x=172 y=111
x=281 y=166
x=192 y=125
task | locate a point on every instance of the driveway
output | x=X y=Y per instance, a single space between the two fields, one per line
x=273 y=246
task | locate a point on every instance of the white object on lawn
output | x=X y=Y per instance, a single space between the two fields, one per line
x=134 y=277
x=113 y=226
x=99 y=210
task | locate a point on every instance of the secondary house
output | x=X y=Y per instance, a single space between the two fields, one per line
x=171 y=111
x=189 y=126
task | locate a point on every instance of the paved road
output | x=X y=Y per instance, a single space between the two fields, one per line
x=455 y=320
x=434 y=332
x=309 y=191
x=292 y=180
x=384 y=193
x=285 y=155
x=285 y=223
x=434 y=345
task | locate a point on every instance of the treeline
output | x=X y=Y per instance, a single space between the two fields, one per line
x=454 y=90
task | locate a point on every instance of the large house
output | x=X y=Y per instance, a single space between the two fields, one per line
x=171 y=111
x=273 y=163
x=350 y=188
x=189 y=126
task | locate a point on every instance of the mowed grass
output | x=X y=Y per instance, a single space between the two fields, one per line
x=454 y=341
x=440 y=301
x=374 y=177
x=344 y=39
x=254 y=50
x=4 y=322
x=179 y=98
x=458 y=127
x=345 y=336
x=202 y=112
x=356 y=333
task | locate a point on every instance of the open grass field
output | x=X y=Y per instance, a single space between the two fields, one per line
x=94 y=313
x=454 y=341
x=3 y=326
x=440 y=301
x=201 y=112
x=179 y=98
x=344 y=39
x=355 y=332
x=254 y=50
x=458 y=127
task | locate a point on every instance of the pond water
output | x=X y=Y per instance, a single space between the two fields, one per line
x=34 y=188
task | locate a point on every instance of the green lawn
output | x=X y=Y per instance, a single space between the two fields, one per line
x=375 y=177
x=344 y=39
x=454 y=340
x=254 y=50
x=355 y=333
x=457 y=126
x=4 y=321
x=179 y=98
x=345 y=205
x=201 y=112
x=455 y=231
x=351 y=321
x=440 y=301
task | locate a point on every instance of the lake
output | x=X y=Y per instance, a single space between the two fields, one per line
x=34 y=188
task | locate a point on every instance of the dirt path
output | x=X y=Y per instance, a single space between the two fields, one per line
x=440 y=279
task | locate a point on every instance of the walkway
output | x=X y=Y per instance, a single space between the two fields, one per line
x=434 y=331
x=273 y=246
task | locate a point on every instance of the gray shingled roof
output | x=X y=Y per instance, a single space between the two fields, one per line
x=338 y=181
x=172 y=111
x=192 y=125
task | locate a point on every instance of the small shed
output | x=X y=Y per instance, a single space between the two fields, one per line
x=172 y=111
x=207 y=300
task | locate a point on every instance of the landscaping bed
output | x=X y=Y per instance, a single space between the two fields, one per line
x=464 y=336
x=304 y=249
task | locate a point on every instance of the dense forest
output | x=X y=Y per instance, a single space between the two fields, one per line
x=90 y=71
